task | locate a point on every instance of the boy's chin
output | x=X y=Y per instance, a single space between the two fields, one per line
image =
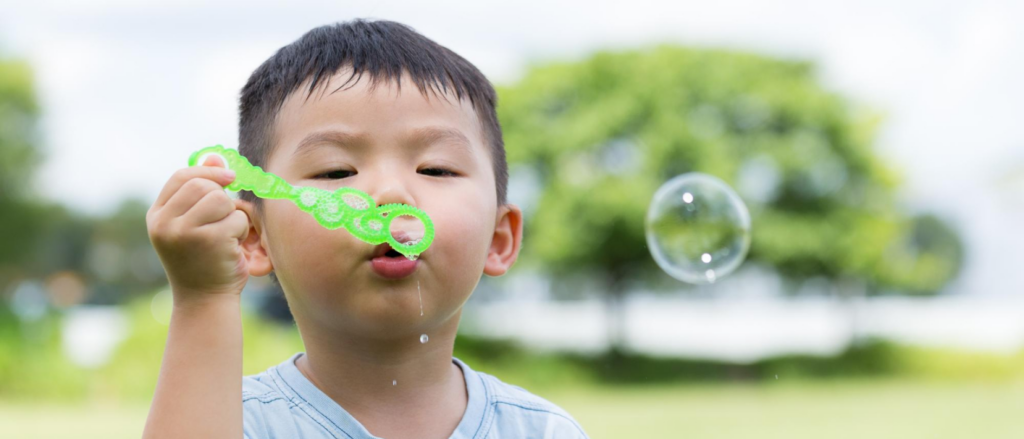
x=399 y=325
x=392 y=336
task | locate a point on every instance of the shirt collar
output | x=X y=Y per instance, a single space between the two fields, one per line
x=303 y=389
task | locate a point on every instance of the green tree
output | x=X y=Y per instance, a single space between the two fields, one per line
x=604 y=133
x=19 y=115
x=20 y=216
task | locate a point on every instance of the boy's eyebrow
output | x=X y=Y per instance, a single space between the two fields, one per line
x=340 y=138
x=425 y=135
x=431 y=135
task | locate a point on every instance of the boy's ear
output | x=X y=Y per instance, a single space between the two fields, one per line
x=507 y=239
x=252 y=246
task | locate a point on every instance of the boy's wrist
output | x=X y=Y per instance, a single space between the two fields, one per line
x=186 y=301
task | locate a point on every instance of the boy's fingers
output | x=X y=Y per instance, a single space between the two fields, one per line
x=187 y=196
x=241 y=231
x=235 y=225
x=180 y=177
x=213 y=160
x=212 y=207
x=245 y=207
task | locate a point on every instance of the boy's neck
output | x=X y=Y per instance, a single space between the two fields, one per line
x=379 y=384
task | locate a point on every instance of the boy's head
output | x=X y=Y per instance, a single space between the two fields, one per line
x=377 y=107
x=381 y=50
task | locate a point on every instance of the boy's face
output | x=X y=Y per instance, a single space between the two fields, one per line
x=382 y=138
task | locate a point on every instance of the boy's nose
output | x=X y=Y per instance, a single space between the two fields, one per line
x=389 y=190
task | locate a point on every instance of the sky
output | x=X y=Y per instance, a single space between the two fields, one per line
x=130 y=89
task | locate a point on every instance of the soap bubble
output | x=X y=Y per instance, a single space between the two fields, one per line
x=698 y=229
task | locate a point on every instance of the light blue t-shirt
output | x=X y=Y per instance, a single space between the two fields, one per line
x=281 y=403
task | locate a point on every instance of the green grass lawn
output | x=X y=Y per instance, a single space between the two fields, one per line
x=832 y=410
x=837 y=410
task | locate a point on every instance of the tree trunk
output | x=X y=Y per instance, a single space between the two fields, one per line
x=851 y=293
x=615 y=312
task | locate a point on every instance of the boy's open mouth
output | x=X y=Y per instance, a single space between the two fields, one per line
x=389 y=263
x=385 y=250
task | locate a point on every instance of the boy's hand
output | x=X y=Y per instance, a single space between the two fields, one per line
x=196 y=230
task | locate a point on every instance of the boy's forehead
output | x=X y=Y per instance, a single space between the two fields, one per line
x=382 y=112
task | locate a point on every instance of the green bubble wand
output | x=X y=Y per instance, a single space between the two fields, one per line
x=346 y=207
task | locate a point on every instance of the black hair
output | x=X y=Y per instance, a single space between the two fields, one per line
x=384 y=50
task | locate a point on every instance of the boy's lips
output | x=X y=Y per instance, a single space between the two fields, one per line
x=393 y=268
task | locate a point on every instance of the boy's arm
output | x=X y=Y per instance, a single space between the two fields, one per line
x=199 y=392
x=197 y=231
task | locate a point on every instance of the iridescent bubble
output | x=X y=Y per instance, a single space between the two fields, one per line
x=698 y=229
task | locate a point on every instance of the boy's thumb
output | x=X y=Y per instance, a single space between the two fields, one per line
x=213 y=160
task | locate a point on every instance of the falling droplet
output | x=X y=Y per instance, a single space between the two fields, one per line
x=424 y=338
x=394 y=382
x=421 y=295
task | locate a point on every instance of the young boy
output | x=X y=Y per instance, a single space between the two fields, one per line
x=338 y=108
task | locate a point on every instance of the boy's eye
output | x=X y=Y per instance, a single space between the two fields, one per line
x=441 y=171
x=335 y=174
x=340 y=173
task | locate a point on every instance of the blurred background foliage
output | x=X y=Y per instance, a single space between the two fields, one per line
x=604 y=133
x=42 y=240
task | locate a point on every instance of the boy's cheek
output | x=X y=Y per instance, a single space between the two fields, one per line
x=314 y=249
x=460 y=235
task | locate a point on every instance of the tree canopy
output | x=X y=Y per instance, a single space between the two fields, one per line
x=19 y=157
x=602 y=134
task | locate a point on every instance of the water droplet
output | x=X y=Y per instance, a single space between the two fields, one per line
x=424 y=338
x=706 y=258
x=420 y=294
x=394 y=382
x=412 y=257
